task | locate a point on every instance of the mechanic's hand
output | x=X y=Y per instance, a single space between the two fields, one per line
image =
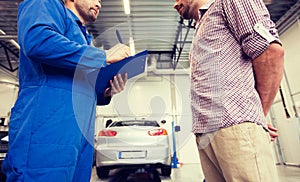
x=117 y=85
x=272 y=132
x=117 y=53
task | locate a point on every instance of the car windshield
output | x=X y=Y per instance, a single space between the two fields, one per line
x=134 y=123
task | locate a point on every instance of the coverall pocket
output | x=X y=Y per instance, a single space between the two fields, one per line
x=50 y=107
x=52 y=156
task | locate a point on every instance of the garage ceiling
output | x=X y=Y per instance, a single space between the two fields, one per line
x=153 y=24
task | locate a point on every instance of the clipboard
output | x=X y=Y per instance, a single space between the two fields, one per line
x=132 y=65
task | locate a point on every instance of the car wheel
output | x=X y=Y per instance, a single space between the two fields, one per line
x=166 y=170
x=102 y=172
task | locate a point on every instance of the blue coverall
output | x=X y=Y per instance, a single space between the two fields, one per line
x=52 y=122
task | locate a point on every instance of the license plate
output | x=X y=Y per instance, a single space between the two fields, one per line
x=132 y=154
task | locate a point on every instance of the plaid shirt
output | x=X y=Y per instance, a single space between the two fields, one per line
x=222 y=79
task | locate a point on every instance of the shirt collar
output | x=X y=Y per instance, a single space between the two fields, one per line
x=205 y=7
x=75 y=18
x=82 y=27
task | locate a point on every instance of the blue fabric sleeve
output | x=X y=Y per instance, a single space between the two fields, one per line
x=42 y=37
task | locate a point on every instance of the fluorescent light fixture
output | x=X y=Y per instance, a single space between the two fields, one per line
x=12 y=41
x=126 y=7
x=2 y=32
x=131 y=46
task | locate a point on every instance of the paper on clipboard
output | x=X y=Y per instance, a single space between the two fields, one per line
x=132 y=65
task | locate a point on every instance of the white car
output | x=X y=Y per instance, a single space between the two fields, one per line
x=132 y=143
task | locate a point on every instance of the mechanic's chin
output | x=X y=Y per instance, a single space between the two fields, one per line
x=185 y=17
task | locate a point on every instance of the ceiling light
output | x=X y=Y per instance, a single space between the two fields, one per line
x=2 y=32
x=126 y=7
x=12 y=41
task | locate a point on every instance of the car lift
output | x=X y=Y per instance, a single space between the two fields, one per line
x=178 y=40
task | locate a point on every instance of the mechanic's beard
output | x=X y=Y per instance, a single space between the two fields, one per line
x=185 y=14
x=90 y=18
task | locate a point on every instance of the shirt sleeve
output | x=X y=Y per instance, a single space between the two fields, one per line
x=241 y=17
x=41 y=30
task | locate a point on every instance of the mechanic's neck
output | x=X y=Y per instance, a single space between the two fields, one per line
x=70 y=6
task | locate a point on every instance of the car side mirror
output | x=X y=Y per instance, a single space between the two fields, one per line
x=163 y=121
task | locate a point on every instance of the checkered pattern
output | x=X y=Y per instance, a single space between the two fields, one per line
x=222 y=80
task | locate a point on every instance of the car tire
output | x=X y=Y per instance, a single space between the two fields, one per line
x=102 y=172
x=166 y=170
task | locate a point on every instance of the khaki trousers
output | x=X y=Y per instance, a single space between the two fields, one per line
x=240 y=153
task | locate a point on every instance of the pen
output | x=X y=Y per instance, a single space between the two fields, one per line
x=119 y=36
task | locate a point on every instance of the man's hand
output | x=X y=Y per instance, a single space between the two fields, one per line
x=117 y=85
x=272 y=132
x=117 y=53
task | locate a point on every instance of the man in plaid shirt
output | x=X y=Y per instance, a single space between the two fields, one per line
x=236 y=68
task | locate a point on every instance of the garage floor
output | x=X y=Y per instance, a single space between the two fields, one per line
x=186 y=173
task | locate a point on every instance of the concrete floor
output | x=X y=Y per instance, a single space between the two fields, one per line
x=185 y=173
